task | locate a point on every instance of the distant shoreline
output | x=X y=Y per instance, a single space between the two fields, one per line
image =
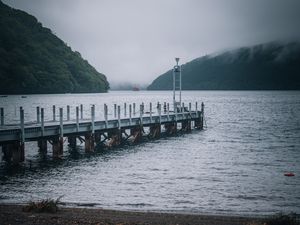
x=13 y=214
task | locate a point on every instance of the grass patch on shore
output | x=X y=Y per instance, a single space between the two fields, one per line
x=43 y=206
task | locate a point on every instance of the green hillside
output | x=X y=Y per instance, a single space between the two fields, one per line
x=34 y=60
x=272 y=66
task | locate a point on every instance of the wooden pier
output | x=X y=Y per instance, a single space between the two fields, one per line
x=111 y=131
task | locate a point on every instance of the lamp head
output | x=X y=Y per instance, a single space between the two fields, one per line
x=177 y=60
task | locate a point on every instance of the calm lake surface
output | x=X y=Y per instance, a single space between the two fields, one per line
x=235 y=166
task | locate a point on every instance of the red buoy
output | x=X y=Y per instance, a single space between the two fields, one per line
x=290 y=174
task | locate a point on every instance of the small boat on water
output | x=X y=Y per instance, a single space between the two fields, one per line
x=135 y=89
x=23 y=96
x=3 y=96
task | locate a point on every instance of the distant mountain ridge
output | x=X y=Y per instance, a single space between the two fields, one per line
x=33 y=60
x=271 y=66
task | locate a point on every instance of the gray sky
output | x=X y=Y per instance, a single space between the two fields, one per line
x=137 y=40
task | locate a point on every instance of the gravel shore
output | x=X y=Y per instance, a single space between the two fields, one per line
x=13 y=214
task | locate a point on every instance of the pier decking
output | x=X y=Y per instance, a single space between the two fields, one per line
x=110 y=131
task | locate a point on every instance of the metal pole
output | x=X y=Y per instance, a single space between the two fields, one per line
x=38 y=114
x=2 y=116
x=61 y=122
x=174 y=102
x=196 y=107
x=180 y=85
x=77 y=118
x=53 y=111
x=42 y=121
x=134 y=109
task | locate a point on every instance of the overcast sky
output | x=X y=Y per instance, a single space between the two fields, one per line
x=137 y=40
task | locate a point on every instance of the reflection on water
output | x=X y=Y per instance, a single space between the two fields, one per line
x=235 y=166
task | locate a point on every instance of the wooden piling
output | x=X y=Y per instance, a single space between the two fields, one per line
x=105 y=115
x=115 y=110
x=119 y=117
x=68 y=112
x=77 y=118
x=155 y=131
x=57 y=147
x=150 y=107
x=168 y=111
x=17 y=149
x=42 y=121
x=72 y=141
x=22 y=125
x=2 y=116
x=42 y=145
x=130 y=114
x=53 y=112
x=159 y=112
x=125 y=109
x=81 y=111
x=134 y=109
x=38 y=114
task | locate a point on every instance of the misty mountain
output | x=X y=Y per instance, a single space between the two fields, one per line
x=271 y=66
x=34 y=60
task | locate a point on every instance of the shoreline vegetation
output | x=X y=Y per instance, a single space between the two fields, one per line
x=15 y=214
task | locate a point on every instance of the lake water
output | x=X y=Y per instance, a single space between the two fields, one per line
x=235 y=166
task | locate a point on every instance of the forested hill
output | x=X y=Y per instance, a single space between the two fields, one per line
x=34 y=60
x=272 y=66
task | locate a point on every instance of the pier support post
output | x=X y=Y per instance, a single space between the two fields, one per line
x=57 y=147
x=130 y=114
x=171 y=128
x=72 y=141
x=136 y=133
x=89 y=142
x=155 y=131
x=134 y=109
x=200 y=118
x=81 y=112
x=68 y=112
x=186 y=126
x=115 y=137
x=77 y=118
x=125 y=109
x=42 y=121
x=53 y=112
x=7 y=153
x=18 y=153
x=115 y=110
x=1 y=117
x=105 y=115
x=42 y=145
x=38 y=114
x=150 y=107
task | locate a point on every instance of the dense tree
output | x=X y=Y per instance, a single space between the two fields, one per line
x=272 y=66
x=34 y=60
